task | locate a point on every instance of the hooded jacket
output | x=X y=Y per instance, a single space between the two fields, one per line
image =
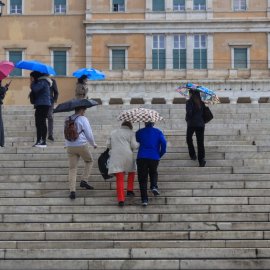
x=42 y=92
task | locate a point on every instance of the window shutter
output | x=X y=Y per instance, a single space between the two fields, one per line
x=176 y=62
x=60 y=62
x=183 y=59
x=158 y=5
x=118 y=2
x=196 y=58
x=240 y=58
x=155 y=58
x=203 y=58
x=15 y=56
x=16 y=2
x=118 y=59
x=59 y=2
x=162 y=59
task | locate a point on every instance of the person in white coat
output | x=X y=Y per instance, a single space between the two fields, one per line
x=122 y=143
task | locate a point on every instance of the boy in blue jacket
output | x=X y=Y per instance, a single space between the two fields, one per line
x=152 y=148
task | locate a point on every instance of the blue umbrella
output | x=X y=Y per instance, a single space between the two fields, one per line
x=70 y=105
x=91 y=73
x=35 y=66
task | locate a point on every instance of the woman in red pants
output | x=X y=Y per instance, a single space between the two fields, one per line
x=122 y=143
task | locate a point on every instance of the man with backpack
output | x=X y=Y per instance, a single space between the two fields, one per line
x=78 y=138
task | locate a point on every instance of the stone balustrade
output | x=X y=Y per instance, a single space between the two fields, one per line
x=164 y=92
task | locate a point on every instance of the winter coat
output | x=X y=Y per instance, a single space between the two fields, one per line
x=152 y=143
x=194 y=116
x=122 y=142
x=42 y=91
x=54 y=91
x=81 y=91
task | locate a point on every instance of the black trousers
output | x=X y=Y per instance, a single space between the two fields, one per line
x=145 y=167
x=199 y=131
x=40 y=119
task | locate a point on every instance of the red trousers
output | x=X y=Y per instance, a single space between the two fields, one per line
x=120 y=177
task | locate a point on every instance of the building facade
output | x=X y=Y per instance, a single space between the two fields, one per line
x=148 y=47
x=51 y=31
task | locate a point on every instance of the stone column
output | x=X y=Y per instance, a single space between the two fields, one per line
x=126 y=101
x=88 y=12
x=169 y=52
x=209 y=9
x=105 y=101
x=148 y=5
x=210 y=52
x=233 y=100
x=88 y=48
x=169 y=5
x=190 y=45
x=268 y=45
x=147 y=101
x=254 y=100
x=189 y=4
x=149 y=41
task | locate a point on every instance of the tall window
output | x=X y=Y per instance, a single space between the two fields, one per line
x=118 y=5
x=200 y=52
x=60 y=62
x=118 y=59
x=199 y=4
x=159 y=52
x=239 y=5
x=60 y=6
x=179 y=5
x=15 y=56
x=240 y=58
x=158 y=5
x=15 y=7
x=179 y=52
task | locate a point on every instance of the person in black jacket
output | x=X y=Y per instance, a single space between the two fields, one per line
x=195 y=123
x=54 y=97
x=3 y=90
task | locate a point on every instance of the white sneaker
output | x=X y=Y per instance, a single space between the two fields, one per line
x=41 y=144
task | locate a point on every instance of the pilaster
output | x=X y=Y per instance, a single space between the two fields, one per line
x=190 y=51
x=169 y=52
x=148 y=5
x=149 y=41
x=210 y=51
x=88 y=52
x=88 y=12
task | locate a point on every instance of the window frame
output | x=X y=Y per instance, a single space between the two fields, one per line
x=163 y=10
x=181 y=48
x=119 y=10
x=8 y=58
x=199 y=7
x=67 y=60
x=200 y=44
x=17 y=13
x=59 y=13
x=114 y=48
x=159 y=45
x=233 y=57
x=178 y=8
x=239 y=9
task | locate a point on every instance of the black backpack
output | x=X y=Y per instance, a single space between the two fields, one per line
x=103 y=164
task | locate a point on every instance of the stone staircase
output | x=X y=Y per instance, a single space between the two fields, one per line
x=215 y=217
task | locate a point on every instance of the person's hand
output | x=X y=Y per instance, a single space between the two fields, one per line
x=95 y=146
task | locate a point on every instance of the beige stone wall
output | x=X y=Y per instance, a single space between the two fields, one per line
x=258 y=49
x=224 y=9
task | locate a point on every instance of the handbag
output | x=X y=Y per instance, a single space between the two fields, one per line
x=32 y=97
x=207 y=115
x=103 y=162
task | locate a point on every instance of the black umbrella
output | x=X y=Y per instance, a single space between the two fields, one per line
x=70 y=105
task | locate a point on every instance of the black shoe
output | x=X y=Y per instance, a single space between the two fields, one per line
x=202 y=163
x=121 y=204
x=130 y=194
x=155 y=191
x=41 y=144
x=72 y=195
x=144 y=203
x=193 y=157
x=51 y=138
x=84 y=184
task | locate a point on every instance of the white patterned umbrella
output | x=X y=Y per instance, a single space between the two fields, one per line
x=140 y=115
